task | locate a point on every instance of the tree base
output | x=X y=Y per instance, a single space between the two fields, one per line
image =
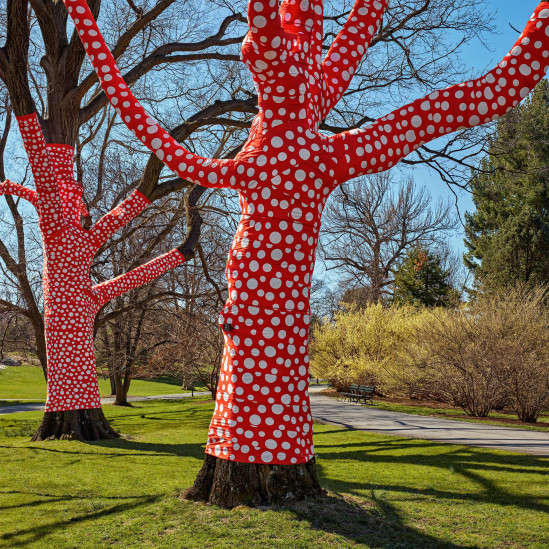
x=80 y=425
x=229 y=483
x=123 y=403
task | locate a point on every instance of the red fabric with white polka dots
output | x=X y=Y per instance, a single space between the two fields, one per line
x=70 y=301
x=284 y=175
x=382 y=144
x=8 y=187
x=138 y=277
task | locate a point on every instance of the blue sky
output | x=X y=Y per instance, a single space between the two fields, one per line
x=478 y=57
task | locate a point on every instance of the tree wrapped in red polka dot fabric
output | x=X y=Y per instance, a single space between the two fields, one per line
x=71 y=301
x=262 y=423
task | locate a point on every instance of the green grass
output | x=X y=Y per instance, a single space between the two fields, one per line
x=386 y=492
x=458 y=414
x=26 y=385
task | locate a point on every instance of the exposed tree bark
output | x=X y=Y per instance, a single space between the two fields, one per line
x=14 y=57
x=122 y=385
x=75 y=425
x=229 y=483
x=40 y=342
x=113 y=385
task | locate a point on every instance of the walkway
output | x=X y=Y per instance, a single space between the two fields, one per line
x=105 y=400
x=330 y=411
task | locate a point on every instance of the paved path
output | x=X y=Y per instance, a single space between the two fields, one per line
x=367 y=418
x=105 y=400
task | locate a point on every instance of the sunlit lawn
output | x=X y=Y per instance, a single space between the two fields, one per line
x=25 y=384
x=458 y=414
x=386 y=492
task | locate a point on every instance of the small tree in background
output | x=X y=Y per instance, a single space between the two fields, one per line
x=422 y=280
x=369 y=227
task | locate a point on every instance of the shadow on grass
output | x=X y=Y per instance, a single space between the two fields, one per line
x=375 y=523
x=95 y=509
x=468 y=463
x=139 y=449
x=360 y=514
x=145 y=448
x=38 y=502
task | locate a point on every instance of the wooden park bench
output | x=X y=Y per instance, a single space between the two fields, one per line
x=361 y=394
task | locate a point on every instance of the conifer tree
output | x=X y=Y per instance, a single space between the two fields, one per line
x=507 y=235
x=421 y=280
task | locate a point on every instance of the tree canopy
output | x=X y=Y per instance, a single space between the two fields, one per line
x=507 y=236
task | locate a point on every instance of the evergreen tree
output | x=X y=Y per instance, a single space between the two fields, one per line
x=507 y=236
x=421 y=280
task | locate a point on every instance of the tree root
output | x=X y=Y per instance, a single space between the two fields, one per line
x=80 y=425
x=229 y=483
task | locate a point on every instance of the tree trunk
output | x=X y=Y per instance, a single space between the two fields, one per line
x=127 y=378
x=229 y=483
x=41 y=346
x=113 y=384
x=121 y=392
x=75 y=425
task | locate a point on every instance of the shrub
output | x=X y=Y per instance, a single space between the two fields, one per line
x=491 y=352
x=455 y=351
x=525 y=368
x=360 y=346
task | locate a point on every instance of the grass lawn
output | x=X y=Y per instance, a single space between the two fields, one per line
x=26 y=384
x=386 y=492
x=456 y=413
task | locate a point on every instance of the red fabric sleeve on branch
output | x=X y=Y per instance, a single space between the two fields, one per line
x=8 y=187
x=197 y=169
x=137 y=277
x=48 y=203
x=384 y=143
x=306 y=19
x=84 y=212
x=348 y=49
x=120 y=216
x=61 y=159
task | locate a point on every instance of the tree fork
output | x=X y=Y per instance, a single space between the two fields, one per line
x=82 y=425
x=229 y=483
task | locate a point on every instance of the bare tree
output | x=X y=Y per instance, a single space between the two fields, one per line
x=194 y=351
x=369 y=226
x=171 y=326
x=42 y=65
